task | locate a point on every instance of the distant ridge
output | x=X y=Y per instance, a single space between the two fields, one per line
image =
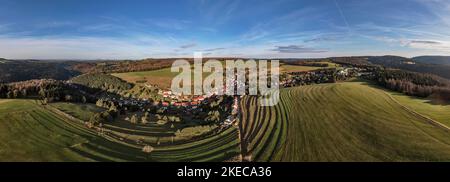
x=444 y=60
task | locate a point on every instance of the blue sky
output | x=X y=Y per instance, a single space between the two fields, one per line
x=100 y=29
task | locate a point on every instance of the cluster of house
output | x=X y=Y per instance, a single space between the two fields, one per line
x=194 y=101
x=181 y=100
x=129 y=101
x=307 y=78
x=234 y=113
x=323 y=76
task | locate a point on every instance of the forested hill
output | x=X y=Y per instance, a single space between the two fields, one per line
x=21 y=70
x=102 y=81
x=411 y=65
x=443 y=60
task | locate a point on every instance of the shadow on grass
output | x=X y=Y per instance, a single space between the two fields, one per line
x=429 y=100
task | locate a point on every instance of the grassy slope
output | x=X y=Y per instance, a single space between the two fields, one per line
x=162 y=77
x=80 y=111
x=426 y=107
x=29 y=132
x=295 y=68
x=340 y=122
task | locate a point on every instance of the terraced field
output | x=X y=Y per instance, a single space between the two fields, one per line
x=31 y=132
x=349 y=121
x=339 y=122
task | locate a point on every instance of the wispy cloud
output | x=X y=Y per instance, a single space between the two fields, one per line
x=83 y=48
x=342 y=15
x=56 y=24
x=219 y=12
x=422 y=44
x=296 y=49
x=440 y=8
x=208 y=29
x=285 y=28
x=172 y=24
x=431 y=42
x=186 y=46
x=213 y=49
x=287 y=23
x=427 y=44
x=324 y=38
x=100 y=27
x=4 y=27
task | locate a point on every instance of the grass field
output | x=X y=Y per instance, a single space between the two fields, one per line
x=349 y=121
x=296 y=68
x=78 y=110
x=426 y=107
x=162 y=77
x=30 y=132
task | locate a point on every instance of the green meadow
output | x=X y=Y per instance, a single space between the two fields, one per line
x=350 y=121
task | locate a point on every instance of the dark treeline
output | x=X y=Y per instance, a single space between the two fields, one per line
x=46 y=89
x=132 y=65
x=319 y=62
x=442 y=70
x=411 y=83
x=314 y=64
x=124 y=65
x=351 y=61
x=22 y=70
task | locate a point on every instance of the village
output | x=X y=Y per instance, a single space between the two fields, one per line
x=331 y=75
x=215 y=107
x=182 y=106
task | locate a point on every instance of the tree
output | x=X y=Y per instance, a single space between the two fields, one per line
x=147 y=149
x=45 y=101
x=134 y=119
x=68 y=98
x=42 y=93
x=107 y=116
x=3 y=90
x=99 y=103
x=213 y=116
x=9 y=95
x=145 y=118
x=83 y=99
x=96 y=119
x=24 y=93
x=113 y=111
x=15 y=93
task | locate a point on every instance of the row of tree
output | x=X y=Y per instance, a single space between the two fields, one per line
x=125 y=66
x=46 y=89
x=308 y=63
x=411 y=83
